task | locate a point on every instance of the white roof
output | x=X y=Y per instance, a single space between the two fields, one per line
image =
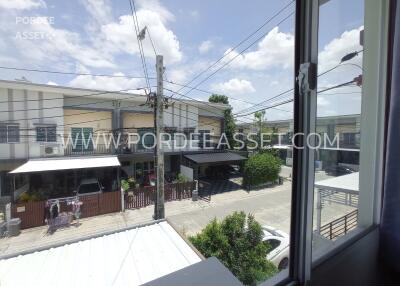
x=130 y=257
x=53 y=164
x=346 y=183
x=282 y=147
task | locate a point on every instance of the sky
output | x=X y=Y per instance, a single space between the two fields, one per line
x=98 y=37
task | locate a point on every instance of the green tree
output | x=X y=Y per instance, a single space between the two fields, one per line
x=261 y=168
x=237 y=242
x=229 y=121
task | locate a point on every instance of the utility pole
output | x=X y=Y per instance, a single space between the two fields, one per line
x=159 y=210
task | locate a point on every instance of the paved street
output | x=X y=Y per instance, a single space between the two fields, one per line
x=270 y=206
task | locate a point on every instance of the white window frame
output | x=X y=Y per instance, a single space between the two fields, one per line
x=7 y=125
x=371 y=155
x=46 y=126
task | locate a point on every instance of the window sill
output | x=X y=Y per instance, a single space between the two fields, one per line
x=340 y=244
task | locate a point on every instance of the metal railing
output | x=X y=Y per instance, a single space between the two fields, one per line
x=99 y=149
x=340 y=226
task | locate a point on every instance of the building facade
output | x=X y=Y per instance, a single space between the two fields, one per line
x=42 y=121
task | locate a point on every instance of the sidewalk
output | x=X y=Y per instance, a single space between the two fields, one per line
x=270 y=206
x=38 y=237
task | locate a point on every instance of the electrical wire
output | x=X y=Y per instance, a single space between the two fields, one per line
x=70 y=73
x=239 y=54
x=238 y=44
x=137 y=30
x=290 y=100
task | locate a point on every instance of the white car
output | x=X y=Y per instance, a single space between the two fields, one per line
x=279 y=241
x=89 y=187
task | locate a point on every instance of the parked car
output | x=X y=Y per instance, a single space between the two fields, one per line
x=89 y=187
x=337 y=170
x=279 y=242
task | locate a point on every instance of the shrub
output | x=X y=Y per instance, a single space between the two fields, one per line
x=125 y=185
x=261 y=168
x=132 y=182
x=239 y=246
x=180 y=178
x=31 y=197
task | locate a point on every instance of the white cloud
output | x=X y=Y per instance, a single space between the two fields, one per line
x=276 y=49
x=205 y=46
x=104 y=83
x=345 y=100
x=22 y=4
x=52 y=83
x=122 y=35
x=107 y=83
x=40 y=41
x=332 y=53
x=234 y=86
x=100 y=10
x=155 y=6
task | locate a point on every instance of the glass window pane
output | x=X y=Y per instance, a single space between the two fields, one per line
x=40 y=134
x=13 y=133
x=51 y=134
x=3 y=134
x=337 y=158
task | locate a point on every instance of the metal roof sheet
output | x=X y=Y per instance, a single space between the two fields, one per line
x=215 y=157
x=346 y=183
x=63 y=163
x=130 y=257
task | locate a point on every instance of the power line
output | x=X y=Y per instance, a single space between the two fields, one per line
x=202 y=102
x=216 y=125
x=151 y=41
x=80 y=113
x=210 y=92
x=321 y=74
x=68 y=97
x=237 y=45
x=137 y=30
x=290 y=100
x=69 y=73
x=265 y=101
x=337 y=86
x=228 y=62
x=77 y=96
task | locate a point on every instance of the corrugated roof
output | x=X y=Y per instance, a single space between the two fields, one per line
x=346 y=183
x=64 y=163
x=215 y=157
x=130 y=257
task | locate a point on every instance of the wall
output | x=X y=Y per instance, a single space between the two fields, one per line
x=181 y=115
x=210 y=123
x=29 y=109
x=100 y=121
x=137 y=120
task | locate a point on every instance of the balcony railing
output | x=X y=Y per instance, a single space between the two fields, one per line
x=99 y=149
x=340 y=226
x=103 y=149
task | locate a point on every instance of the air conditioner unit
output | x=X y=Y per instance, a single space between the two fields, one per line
x=49 y=150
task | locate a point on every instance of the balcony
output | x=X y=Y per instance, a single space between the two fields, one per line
x=106 y=149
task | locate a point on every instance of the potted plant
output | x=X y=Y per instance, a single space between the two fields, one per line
x=132 y=182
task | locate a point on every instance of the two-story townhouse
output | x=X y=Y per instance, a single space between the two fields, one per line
x=342 y=130
x=46 y=122
x=29 y=120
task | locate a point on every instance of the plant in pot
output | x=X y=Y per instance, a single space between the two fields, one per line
x=132 y=182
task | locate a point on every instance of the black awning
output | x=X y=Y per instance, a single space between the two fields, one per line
x=223 y=157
